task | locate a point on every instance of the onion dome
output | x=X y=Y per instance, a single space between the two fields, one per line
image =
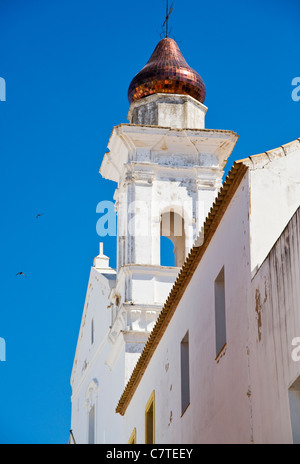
x=167 y=72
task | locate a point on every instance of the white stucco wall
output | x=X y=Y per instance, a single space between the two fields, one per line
x=91 y=371
x=168 y=110
x=274 y=197
x=218 y=388
x=243 y=396
x=274 y=315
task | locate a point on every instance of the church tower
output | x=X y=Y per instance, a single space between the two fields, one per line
x=168 y=169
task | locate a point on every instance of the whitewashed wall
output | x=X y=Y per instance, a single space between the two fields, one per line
x=219 y=406
x=274 y=197
x=243 y=396
x=274 y=315
x=90 y=370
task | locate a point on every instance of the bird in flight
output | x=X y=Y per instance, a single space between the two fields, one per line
x=38 y=215
x=20 y=274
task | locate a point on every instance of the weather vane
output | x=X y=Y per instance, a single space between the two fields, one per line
x=166 y=23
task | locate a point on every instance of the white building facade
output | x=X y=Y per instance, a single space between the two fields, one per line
x=222 y=364
x=175 y=354
x=168 y=169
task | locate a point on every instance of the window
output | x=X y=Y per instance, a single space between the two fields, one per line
x=220 y=316
x=132 y=439
x=294 y=400
x=185 y=373
x=91 y=438
x=150 y=420
x=172 y=226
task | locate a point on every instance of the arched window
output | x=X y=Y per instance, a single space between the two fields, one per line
x=172 y=227
x=167 y=256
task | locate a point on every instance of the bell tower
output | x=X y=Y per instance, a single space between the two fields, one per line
x=168 y=169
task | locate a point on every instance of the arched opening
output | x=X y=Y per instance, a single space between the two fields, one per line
x=172 y=228
x=167 y=255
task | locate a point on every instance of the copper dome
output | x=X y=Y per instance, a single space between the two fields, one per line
x=167 y=72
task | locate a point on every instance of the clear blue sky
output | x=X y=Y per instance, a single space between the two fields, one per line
x=67 y=66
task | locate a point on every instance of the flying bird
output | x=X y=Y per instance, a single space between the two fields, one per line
x=38 y=215
x=20 y=274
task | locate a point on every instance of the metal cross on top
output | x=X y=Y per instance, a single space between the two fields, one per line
x=166 y=23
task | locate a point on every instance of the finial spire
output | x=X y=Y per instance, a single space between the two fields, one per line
x=166 y=23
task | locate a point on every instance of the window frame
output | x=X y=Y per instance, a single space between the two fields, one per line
x=185 y=395
x=132 y=438
x=220 y=312
x=150 y=404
